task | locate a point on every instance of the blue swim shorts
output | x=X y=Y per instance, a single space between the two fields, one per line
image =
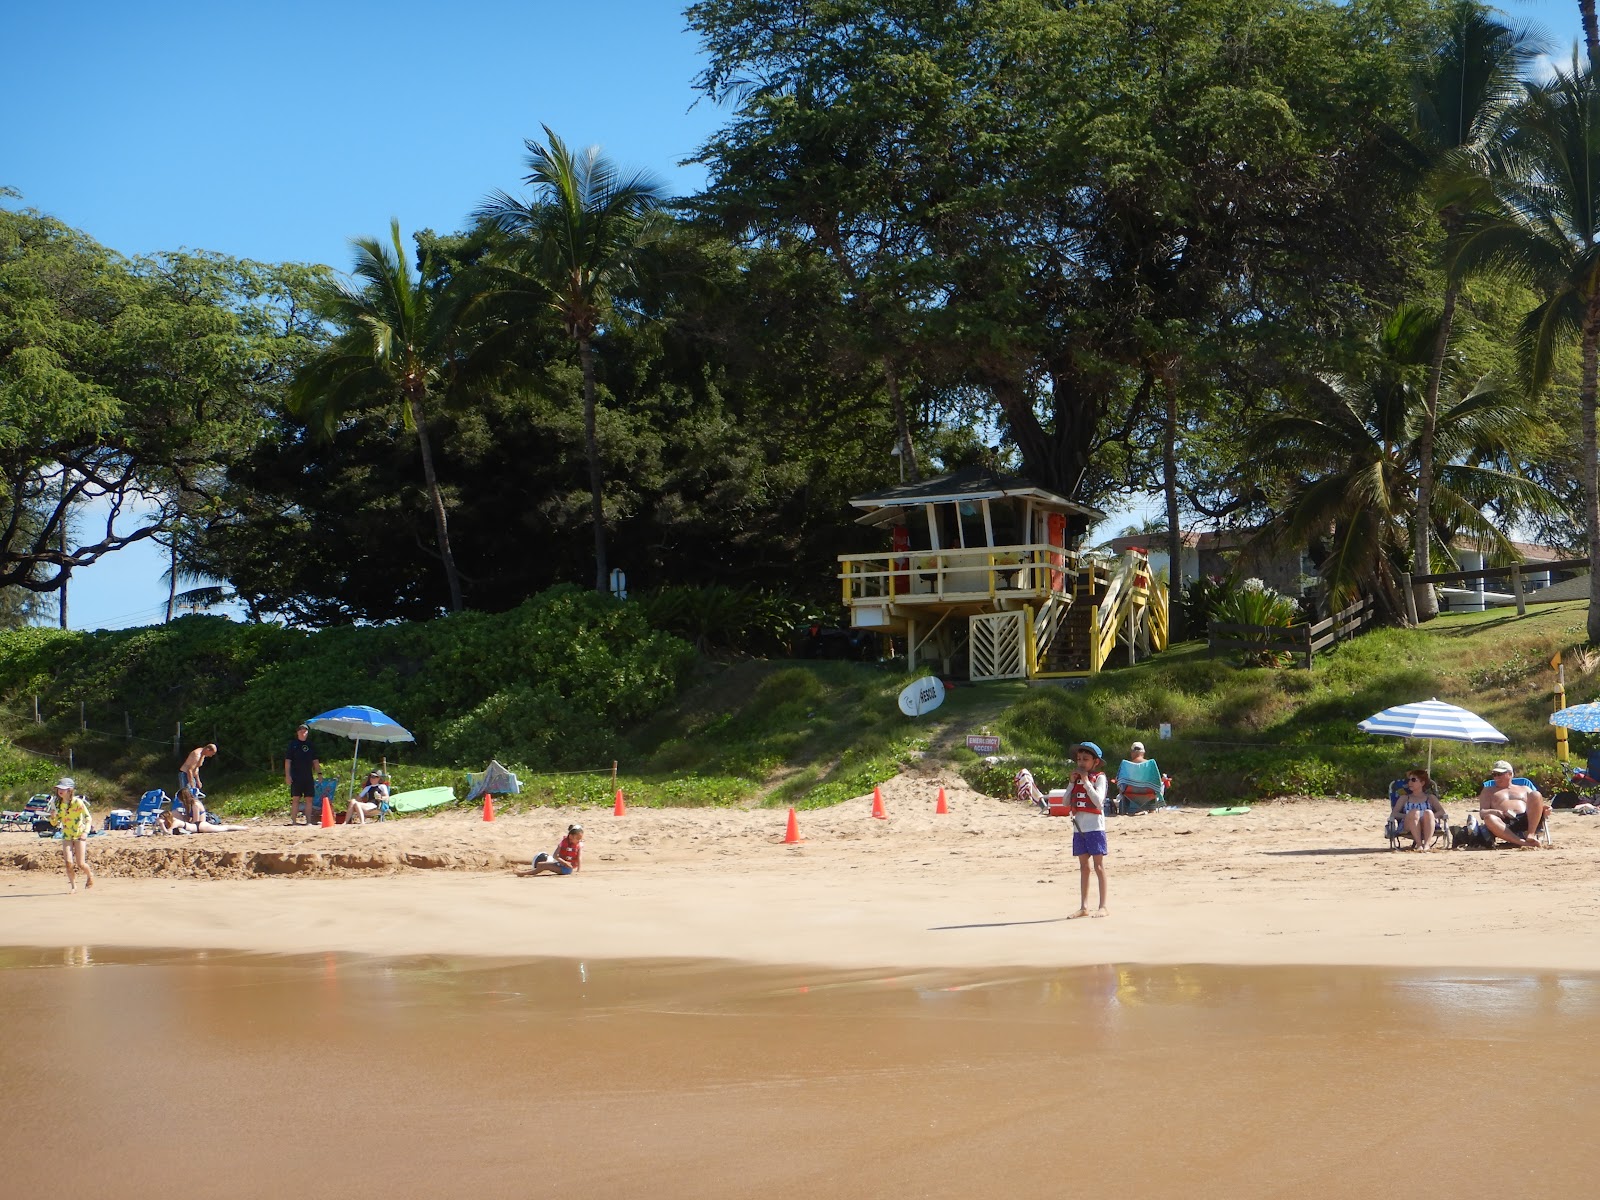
x=1093 y=842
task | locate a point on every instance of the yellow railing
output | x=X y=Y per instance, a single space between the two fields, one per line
x=931 y=575
x=1134 y=597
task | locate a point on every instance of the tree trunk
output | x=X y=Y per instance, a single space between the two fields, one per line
x=591 y=446
x=902 y=428
x=61 y=604
x=1591 y=459
x=440 y=521
x=1169 y=485
x=1422 y=519
x=1591 y=35
x=172 y=578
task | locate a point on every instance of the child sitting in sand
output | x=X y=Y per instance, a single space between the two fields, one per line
x=567 y=858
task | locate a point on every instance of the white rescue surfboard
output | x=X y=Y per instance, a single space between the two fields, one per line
x=921 y=695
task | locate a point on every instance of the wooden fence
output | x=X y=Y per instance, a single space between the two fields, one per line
x=1302 y=641
x=1513 y=573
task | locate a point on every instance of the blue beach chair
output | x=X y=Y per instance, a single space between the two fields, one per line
x=149 y=811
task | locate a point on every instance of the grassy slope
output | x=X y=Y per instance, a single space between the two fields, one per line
x=811 y=735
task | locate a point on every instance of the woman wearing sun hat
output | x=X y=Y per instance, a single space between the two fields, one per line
x=69 y=812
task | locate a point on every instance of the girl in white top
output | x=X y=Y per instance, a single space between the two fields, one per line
x=1086 y=800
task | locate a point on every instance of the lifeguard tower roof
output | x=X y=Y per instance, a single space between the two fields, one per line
x=972 y=483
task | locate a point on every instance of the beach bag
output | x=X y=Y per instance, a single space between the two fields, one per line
x=1474 y=835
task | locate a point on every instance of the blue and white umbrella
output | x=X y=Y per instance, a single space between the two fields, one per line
x=1585 y=718
x=1432 y=719
x=363 y=723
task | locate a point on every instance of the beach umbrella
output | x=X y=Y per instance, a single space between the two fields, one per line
x=1432 y=719
x=362 y=723
x=1585 y=718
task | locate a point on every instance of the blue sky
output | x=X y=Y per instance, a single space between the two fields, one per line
x=279 y=132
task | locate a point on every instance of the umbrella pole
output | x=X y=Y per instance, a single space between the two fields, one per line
x=1430 y=758
x=353 y=758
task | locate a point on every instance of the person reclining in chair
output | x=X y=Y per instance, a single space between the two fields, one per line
x=1512 y=811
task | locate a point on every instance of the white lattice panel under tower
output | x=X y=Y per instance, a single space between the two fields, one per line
x=997 y=645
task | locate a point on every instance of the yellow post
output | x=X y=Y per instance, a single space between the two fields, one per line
x=1094 y=638
x=844 y=584
x=1561 y=702
x=1033 y=645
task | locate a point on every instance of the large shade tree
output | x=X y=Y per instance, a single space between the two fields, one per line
x=124 y=382
x=568 y=248
x=396 y=339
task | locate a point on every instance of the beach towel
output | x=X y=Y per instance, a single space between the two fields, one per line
x=1142 y=777
x=1025 y=789
x=495 y=781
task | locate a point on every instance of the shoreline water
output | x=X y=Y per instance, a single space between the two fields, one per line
x=328 y=1075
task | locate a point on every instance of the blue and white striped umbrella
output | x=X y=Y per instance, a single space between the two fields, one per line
x=1585 y=718
x=1432 y=719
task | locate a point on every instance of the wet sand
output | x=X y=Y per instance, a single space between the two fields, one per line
x=987 y=885
x=334 y=1076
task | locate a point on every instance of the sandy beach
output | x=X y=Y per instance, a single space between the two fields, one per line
x=990 y=884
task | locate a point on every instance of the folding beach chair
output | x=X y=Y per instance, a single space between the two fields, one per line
x=148 y=815
x=324 y=791
x=1394 y=828
x=1542 y=834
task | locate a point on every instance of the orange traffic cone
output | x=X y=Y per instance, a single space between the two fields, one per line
x=620 y=807
x=488 y=806
x=877 y=805
x=327 y=814
x=941 y=807
x=792 y=834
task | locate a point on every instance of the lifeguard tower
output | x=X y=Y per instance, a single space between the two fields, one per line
x=983 y=579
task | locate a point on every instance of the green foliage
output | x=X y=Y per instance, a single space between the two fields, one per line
x=715 y=616
x=1243 y=733
x=807 y=736
x=553 y=682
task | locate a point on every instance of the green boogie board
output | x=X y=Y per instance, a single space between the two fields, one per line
x=421 y=798
x=1215 y=812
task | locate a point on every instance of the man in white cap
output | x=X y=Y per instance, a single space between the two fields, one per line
x=1512 y=811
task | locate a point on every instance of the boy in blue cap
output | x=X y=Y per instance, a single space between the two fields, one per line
x=1086 y=801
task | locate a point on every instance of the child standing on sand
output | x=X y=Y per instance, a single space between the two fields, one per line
x=567 y=858
x=1086 y=800
x=69 y=812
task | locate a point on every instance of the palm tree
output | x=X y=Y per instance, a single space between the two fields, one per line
x=396 y=333
x=1460 y=103
x=570 y=247
x=1357 y=454
x=1539 y=221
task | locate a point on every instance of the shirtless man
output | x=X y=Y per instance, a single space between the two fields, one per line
x=1513 y=812
x=189 y=772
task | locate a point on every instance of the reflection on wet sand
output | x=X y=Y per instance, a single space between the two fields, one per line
x=327 y=1075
